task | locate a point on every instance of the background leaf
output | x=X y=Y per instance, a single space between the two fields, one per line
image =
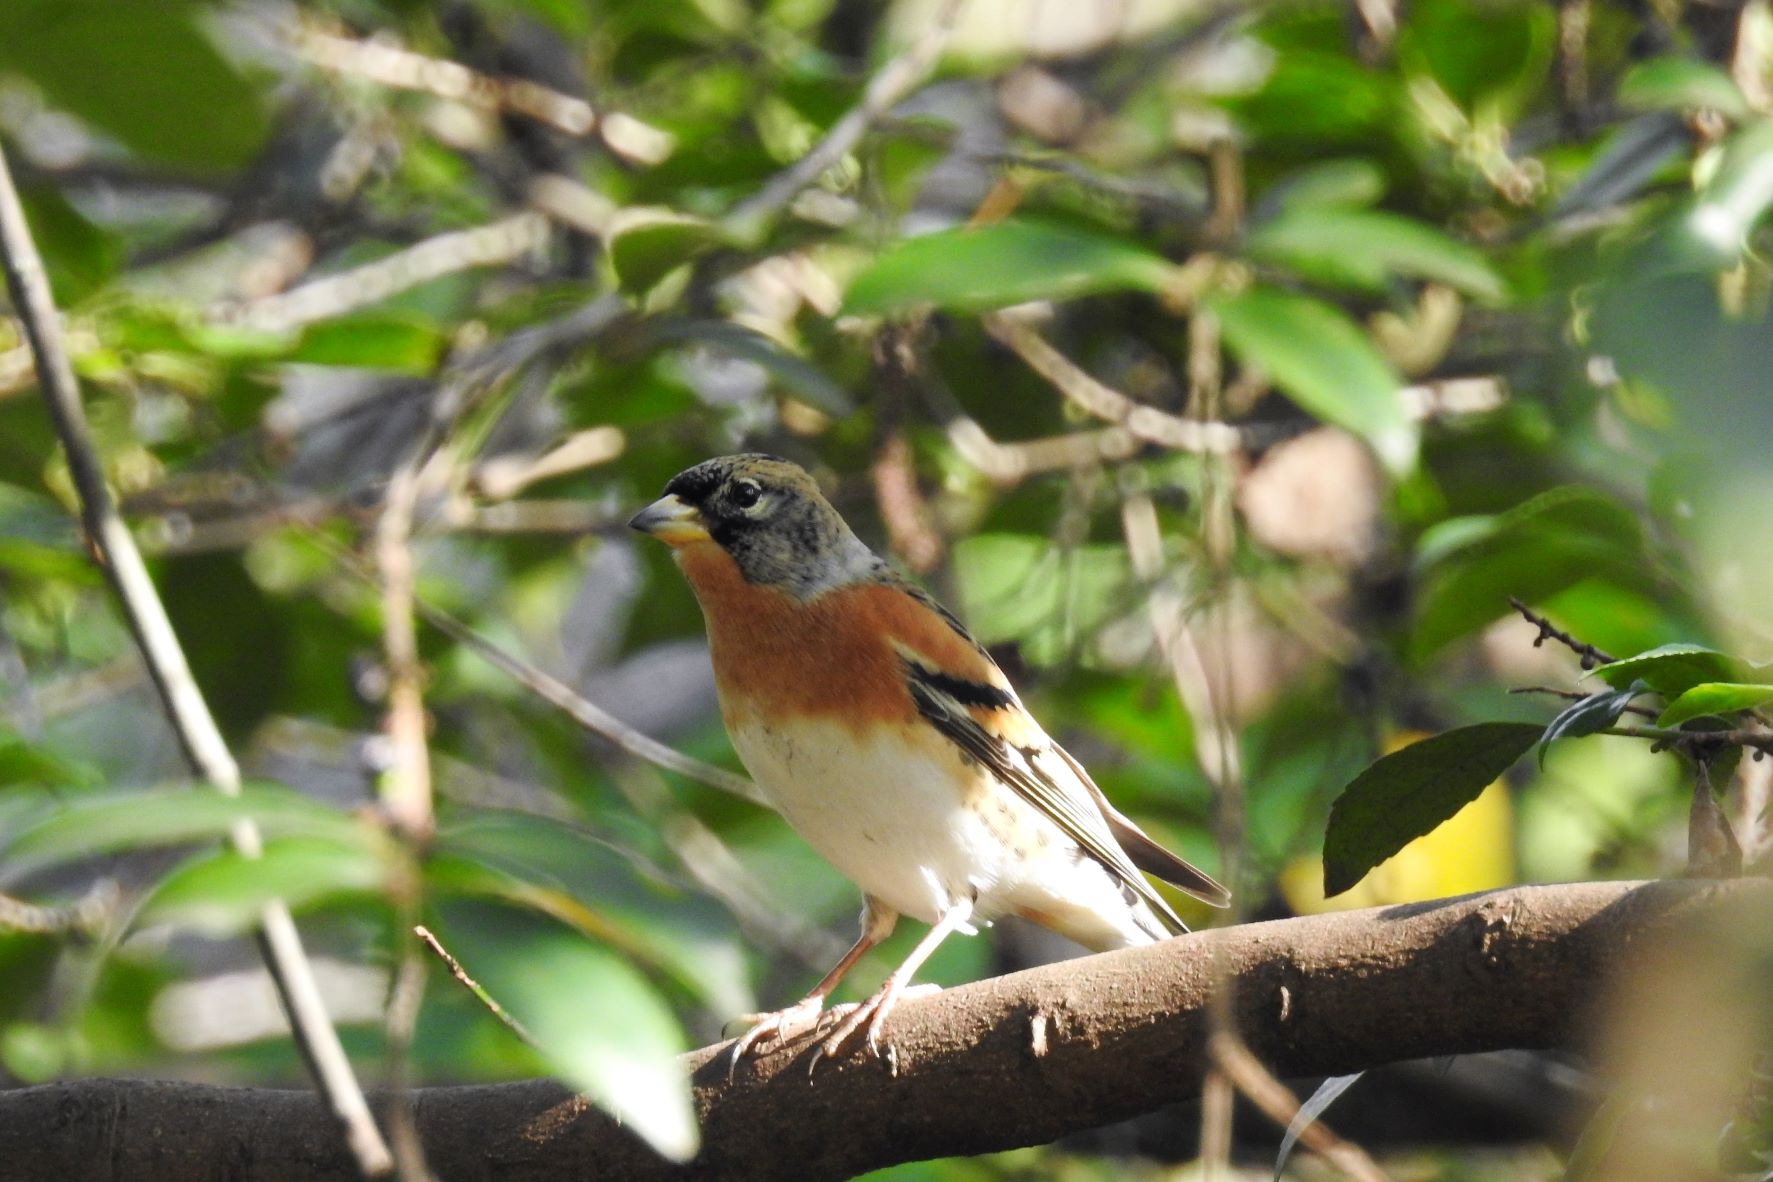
x=1005 y=263
x=600 y=1025
x=1405 y=794
x=1323 y=362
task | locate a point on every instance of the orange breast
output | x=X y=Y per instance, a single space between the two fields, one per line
x=831 y=657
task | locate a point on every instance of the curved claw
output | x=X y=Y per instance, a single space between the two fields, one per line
x=872 y=1015
x=778 y=1026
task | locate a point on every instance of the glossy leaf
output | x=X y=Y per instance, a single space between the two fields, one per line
x=1322 y=361
x=1366 y=248
x=1005 y=263
x=1401 y=796
x=170 y=816
x=1671 y=669
x=805 y=381
x=1588 y=716
x=600 y=1025
x=224 y=892
x=1715 y=698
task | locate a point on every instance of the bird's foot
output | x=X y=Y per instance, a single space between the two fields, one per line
x=871 y=1015
x=779 y=1026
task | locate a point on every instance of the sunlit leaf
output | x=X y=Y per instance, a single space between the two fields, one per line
x=171 y=816
x=223 y=892
x=1005 y=263
x=1671 y=669
x=600 y=1025
x=405 y=344
x=1682 y=84
x=1322 y=361
x=1365 y=249
x=1401 y=796
x=1715 y=697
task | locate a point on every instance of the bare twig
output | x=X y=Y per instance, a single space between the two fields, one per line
x=503 y=241
x=1698 y=743
x=560 y=695
x=85 y=916
x=1589 y=655
x=750 y=219
x=401 y=69
x=402 y=1018
x=198 y=735
x=1145 y=422
x=472 y=986
x=1577 y=695
x=406 y=782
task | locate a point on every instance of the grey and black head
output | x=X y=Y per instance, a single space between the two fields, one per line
x=769 y=514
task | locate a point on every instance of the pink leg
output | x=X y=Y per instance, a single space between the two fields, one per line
x=878 y=921
x=873 y=1012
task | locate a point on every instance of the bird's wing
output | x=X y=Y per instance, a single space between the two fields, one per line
x=969 y=701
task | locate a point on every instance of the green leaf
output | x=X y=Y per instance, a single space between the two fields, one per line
x=1401 y=796
x=1005 y=263
x=1365 y=248
x=224 y=892
x=405 y=344
x=599 y=1024
x=1737 y=195
x=1715 y=697
x=143 y=73
x=1330 y=184
x=646 y=243
x=1590 y=715
x=1672 y=669
x=600 y=890
x=1681 y=84
x=1322 y=361
x=171 y=816
x=1470 y=566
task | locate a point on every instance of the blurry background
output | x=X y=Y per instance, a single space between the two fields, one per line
x=1225 y=367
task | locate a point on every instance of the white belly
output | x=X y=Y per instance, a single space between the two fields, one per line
x=890 y=821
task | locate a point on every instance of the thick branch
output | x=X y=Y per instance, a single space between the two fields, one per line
x=1122 y=1033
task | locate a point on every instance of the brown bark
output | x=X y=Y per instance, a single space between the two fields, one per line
x=1119 y=1034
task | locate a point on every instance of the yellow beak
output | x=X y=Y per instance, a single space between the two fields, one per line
x=672 y=521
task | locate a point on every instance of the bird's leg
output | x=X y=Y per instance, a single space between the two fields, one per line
x=878 y=921
x=872 y=1013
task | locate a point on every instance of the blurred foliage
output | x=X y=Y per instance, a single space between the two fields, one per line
x=278 y=235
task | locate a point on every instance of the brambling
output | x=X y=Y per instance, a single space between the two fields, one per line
x=891 y=741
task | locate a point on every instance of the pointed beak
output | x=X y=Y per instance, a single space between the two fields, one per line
x=672 y=521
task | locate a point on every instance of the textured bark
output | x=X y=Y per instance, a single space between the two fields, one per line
x=1016 y=1060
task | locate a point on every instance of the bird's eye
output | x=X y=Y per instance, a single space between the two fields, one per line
x=746 y=493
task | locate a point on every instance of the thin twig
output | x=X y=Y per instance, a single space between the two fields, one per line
x=1589 y=655
x=750 y=219
x=1279 y=1105
x=1146 y=422
x=472 y=986
x=1698 y=742
x=406 y=782
x=198 y=735
x=85 y=916
x=1577 y=695
x=402 y=1018
x=558 y=694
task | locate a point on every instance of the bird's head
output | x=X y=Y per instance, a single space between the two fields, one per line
x=768 y=514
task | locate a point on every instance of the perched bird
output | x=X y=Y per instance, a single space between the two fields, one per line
x=891 y=741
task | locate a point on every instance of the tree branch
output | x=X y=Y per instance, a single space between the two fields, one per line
x=1017 y=1060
